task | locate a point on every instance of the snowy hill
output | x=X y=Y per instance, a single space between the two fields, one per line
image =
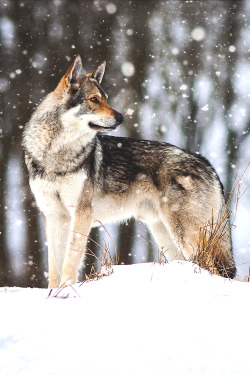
x=142 y=319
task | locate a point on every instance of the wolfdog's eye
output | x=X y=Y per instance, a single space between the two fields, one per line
x=94 y=99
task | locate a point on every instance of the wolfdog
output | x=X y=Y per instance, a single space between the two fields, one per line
x=79 y=176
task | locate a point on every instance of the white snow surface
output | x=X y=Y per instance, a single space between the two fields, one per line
x=142 y=319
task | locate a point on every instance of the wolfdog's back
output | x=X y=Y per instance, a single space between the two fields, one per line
x=190 y=197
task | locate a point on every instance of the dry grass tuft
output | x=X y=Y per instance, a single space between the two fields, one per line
x=104 y=262
x=208 y=254
x=60 y=292
x=159 y=254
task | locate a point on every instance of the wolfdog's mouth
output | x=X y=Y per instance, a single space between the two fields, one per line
x=102 y=128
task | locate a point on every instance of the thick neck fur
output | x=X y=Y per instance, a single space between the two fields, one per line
x=54 y=141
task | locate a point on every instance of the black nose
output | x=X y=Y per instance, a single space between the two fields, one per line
x=119 y=118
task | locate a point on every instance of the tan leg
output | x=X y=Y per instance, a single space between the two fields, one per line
x=80 y=228
x=165 y=241
x=57 y=230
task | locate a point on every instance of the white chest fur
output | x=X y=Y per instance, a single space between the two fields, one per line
x=59 y=196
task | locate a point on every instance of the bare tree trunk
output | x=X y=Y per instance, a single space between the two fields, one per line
x=193 y=55
x=34 y=267
x=32 y=273
x=5 y=263
x=139 y=56
x=125 y=244
x=230 y=38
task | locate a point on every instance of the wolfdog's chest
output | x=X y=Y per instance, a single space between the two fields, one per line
x=62 y=194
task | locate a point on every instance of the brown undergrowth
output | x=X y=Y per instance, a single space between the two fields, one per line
x=105 y=263
x=158 y=254
x=208 y=254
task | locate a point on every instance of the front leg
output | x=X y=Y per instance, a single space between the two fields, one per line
x=57 y=231
x=80 y=227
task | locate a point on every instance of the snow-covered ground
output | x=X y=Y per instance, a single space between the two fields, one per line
x=142 y=319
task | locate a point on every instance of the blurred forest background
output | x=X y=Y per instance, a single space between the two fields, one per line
x=178 y=70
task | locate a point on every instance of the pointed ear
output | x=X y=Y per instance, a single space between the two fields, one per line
x=71 y=78
x=98 y=73
x=75 y=72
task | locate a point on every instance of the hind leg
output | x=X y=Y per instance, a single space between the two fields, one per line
x=204 y=236
x=184 y=226
x=165 y=241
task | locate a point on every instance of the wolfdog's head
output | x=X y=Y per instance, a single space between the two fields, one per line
x=85 y=101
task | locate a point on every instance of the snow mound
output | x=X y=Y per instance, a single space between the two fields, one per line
x=141 y=319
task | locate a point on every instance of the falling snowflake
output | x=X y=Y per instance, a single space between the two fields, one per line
x=205 y=108
x=111 y=8
x=129 y=112
x=198 y=33
x=128 y=69
x=232 y=48
x=183 y=87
